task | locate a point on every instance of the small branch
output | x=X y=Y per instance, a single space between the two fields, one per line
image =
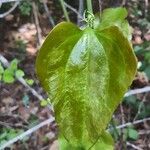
x=21 y=80
x=100 y=7
x=137 y=91
x=73 y=9
x=64 y=10
x=51 y=20
x=81 y=10
x=27 y=133
x=0 y=4
x=131 y=123
x=37 y=23
x=5 y=124
x=146 y=7
x=10 y=10
x=133 y=146
x=140 y=107
x=123 y=3
x=142 y=132
x=13 y=116
x=122 y=114
x=7 y=1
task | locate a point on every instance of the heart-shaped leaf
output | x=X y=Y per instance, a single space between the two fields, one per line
x=86 y=73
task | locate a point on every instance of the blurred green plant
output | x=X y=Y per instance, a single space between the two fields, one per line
x=143 y=52
x=144 y=23
x=10 y=74
x=116 y=133
x=20 y=46
x=138 y=107
x=132 y=133
x=12 y=71
x=129 y=133
x=25 y=8
x=33 y=120
x=8 y=133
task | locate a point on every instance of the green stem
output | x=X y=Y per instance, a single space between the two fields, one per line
x=64 y=10
x=89 y=6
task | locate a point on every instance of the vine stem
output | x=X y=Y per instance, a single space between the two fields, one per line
x=89 y=6
x=10 y=10
x=64 y=10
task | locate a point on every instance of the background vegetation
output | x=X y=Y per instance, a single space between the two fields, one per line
x=24 y=105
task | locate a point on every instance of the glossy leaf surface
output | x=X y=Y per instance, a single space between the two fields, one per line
x=114 y=17
x=86 y=73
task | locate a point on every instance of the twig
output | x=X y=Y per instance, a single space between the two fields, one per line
x=10 y=10
x=51 y=20
x=142 y=132
x=122 y=114
x=133 y=146
x=27 y=133
x=64 y=10
x=100 y=7
x=137 y=91
x=12 y=125
x=131 y=123
x=37 y=23
x=74 y=10
x=123 y=3
x=7 y=1
x=5 y=124
x=81 y=9
x=140 y=106
x=45 y=148
x=13 y=116
x=146 y=7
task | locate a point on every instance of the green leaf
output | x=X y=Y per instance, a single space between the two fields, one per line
x=8 y=76
x=3 y=142
x=131 y=100
x=104 y=142
x=25 y=8
x=1 y=69
x=30 y=81
x=13 y=65
x=132 y=134
x=44 y=103
x=125 y=134
x=19 y=73
x=114 y=17
x=86 y=73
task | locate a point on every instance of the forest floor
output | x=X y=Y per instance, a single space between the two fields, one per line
x=20 y=109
